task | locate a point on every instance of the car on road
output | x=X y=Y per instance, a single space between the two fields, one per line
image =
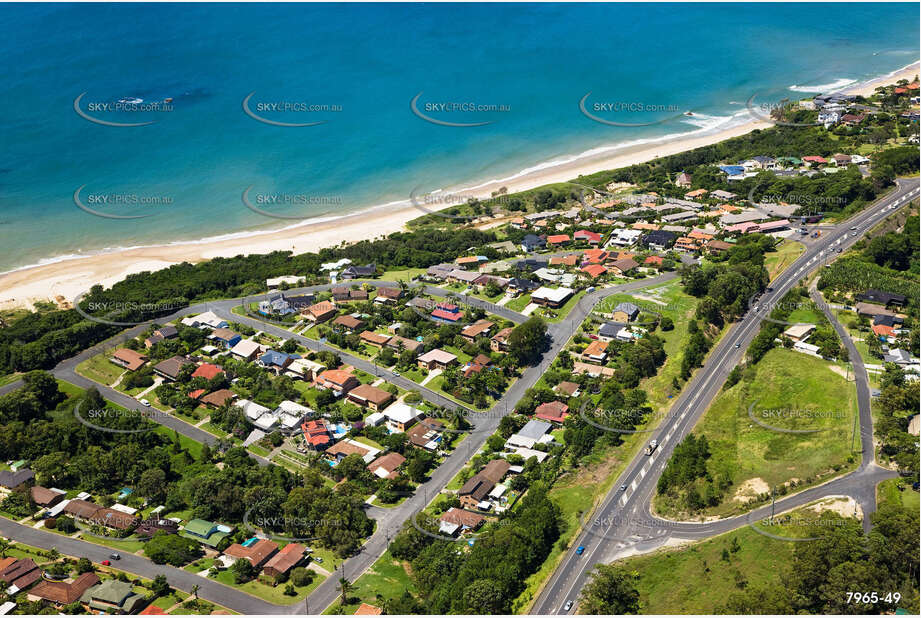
x=853 y=227
x=623 y=488
x=145 y=403
x=580 y=549
x=769 y=289
x=568 y=606
x=396 y=373
x=738 y=345
x=838 y=249
x=115 y=556
x=105 y=563
x=853 y=233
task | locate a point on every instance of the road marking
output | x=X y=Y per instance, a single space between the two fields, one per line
x=623 y=499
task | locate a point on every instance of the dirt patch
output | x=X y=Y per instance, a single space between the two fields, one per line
x=651 y=299
x=845 y=506
x=751 y=489
x=841 y=371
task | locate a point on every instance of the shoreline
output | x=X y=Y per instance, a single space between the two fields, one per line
x=68 y=276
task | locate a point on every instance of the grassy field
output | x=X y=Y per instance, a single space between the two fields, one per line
x=405 y=275
x=519 y=303
x=789 y=391
x=898 y=491
x=100 y=369
x=386 y=578
x=786 y=253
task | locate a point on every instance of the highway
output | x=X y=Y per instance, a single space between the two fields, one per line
x=623 y=524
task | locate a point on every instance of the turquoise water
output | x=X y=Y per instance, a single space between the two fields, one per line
x=366 y=63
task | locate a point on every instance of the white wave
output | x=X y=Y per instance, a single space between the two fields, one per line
x=834 y=86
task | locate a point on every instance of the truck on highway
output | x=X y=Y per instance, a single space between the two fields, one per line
x=651 y=447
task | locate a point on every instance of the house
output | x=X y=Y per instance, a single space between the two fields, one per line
x=336 y=380
x=772 y=226
x=400 y=415
x=246 y=350
x=655 y=261
x=368 y=610
x=388 y=295
x=257 y=552
x=345 y=293
x=529 y=264
x=373 y=339
x=471 y=261
x=883 y=332
x=588 y=236
x=171 y=367
x=319 y=312
x=447 y=312
x=659 y=240
x=477 y=488
x=304 y=369
x=870 y=310
x=564 y=260
x=205 y=532
x=532 y=242
x=841 y=160
x=852 y=120
x=284 y=560
x=225 y=337
x=570 y=389
x=275 y=360
x=454 y=521
x=357 y=272
x=385 y=467
x=506 y=246
x=11 y=480
x=717 y=247
x=499 y=341
x=115 y=519
x=426 y=433
x=549 y=297
x=437 y=359
x=348 y=323
x=153 y=525
x=532 y=433
x=697 y=193
x=369 y=396
x=594 y=270
x=343 y=448
x=625 y=312
x=398 y=344
x=596 y=351
x=478 y=328
x=558 y=240
x=45 y=497
x=882 y=298
x=113 y=596
x=208 y=319
x=723 y=195
x=683 y=180
x=686 y=244
x=623 y=266
x=207 y=371
x=62 y=593
x=129 y=359
x=316 y=433
x=439 y=271
x=554 y=411
x=624 y=237
x=19 y=574
x=800 y=332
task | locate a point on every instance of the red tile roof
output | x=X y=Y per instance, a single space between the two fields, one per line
x=207 y=371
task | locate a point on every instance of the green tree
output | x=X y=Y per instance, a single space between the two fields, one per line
x=610 y=591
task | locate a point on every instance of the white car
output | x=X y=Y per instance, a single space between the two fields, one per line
x=145 y=403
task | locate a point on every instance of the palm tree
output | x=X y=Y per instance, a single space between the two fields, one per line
x=344 y=587
x=195 y=590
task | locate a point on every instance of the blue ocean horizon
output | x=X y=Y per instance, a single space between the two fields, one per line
x=362 y=65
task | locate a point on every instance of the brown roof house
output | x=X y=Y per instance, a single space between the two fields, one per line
x=257 y=553
x=171 y=367
x=64 y=593
x=454 y=521
x=42 y=496
x=370 y=396
x=129 y=359
x=286 y=559
x=478 y=487
x=480 y=327
x=348 y=323
x=319 y=312
x=385 y=467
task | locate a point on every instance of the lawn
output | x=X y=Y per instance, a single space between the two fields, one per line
x=386 y=578
x=789 y=390
x=561 y=313
x=898 y=491
x=100 y=369
x=778 y=261
x=405 y=275
x=272 y=594
x=9 y=378
x=187 y=443
x=519 y=303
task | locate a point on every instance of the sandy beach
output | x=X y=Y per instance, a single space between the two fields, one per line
x=69 y=278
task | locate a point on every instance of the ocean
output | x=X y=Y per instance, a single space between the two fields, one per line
x=351 y=73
